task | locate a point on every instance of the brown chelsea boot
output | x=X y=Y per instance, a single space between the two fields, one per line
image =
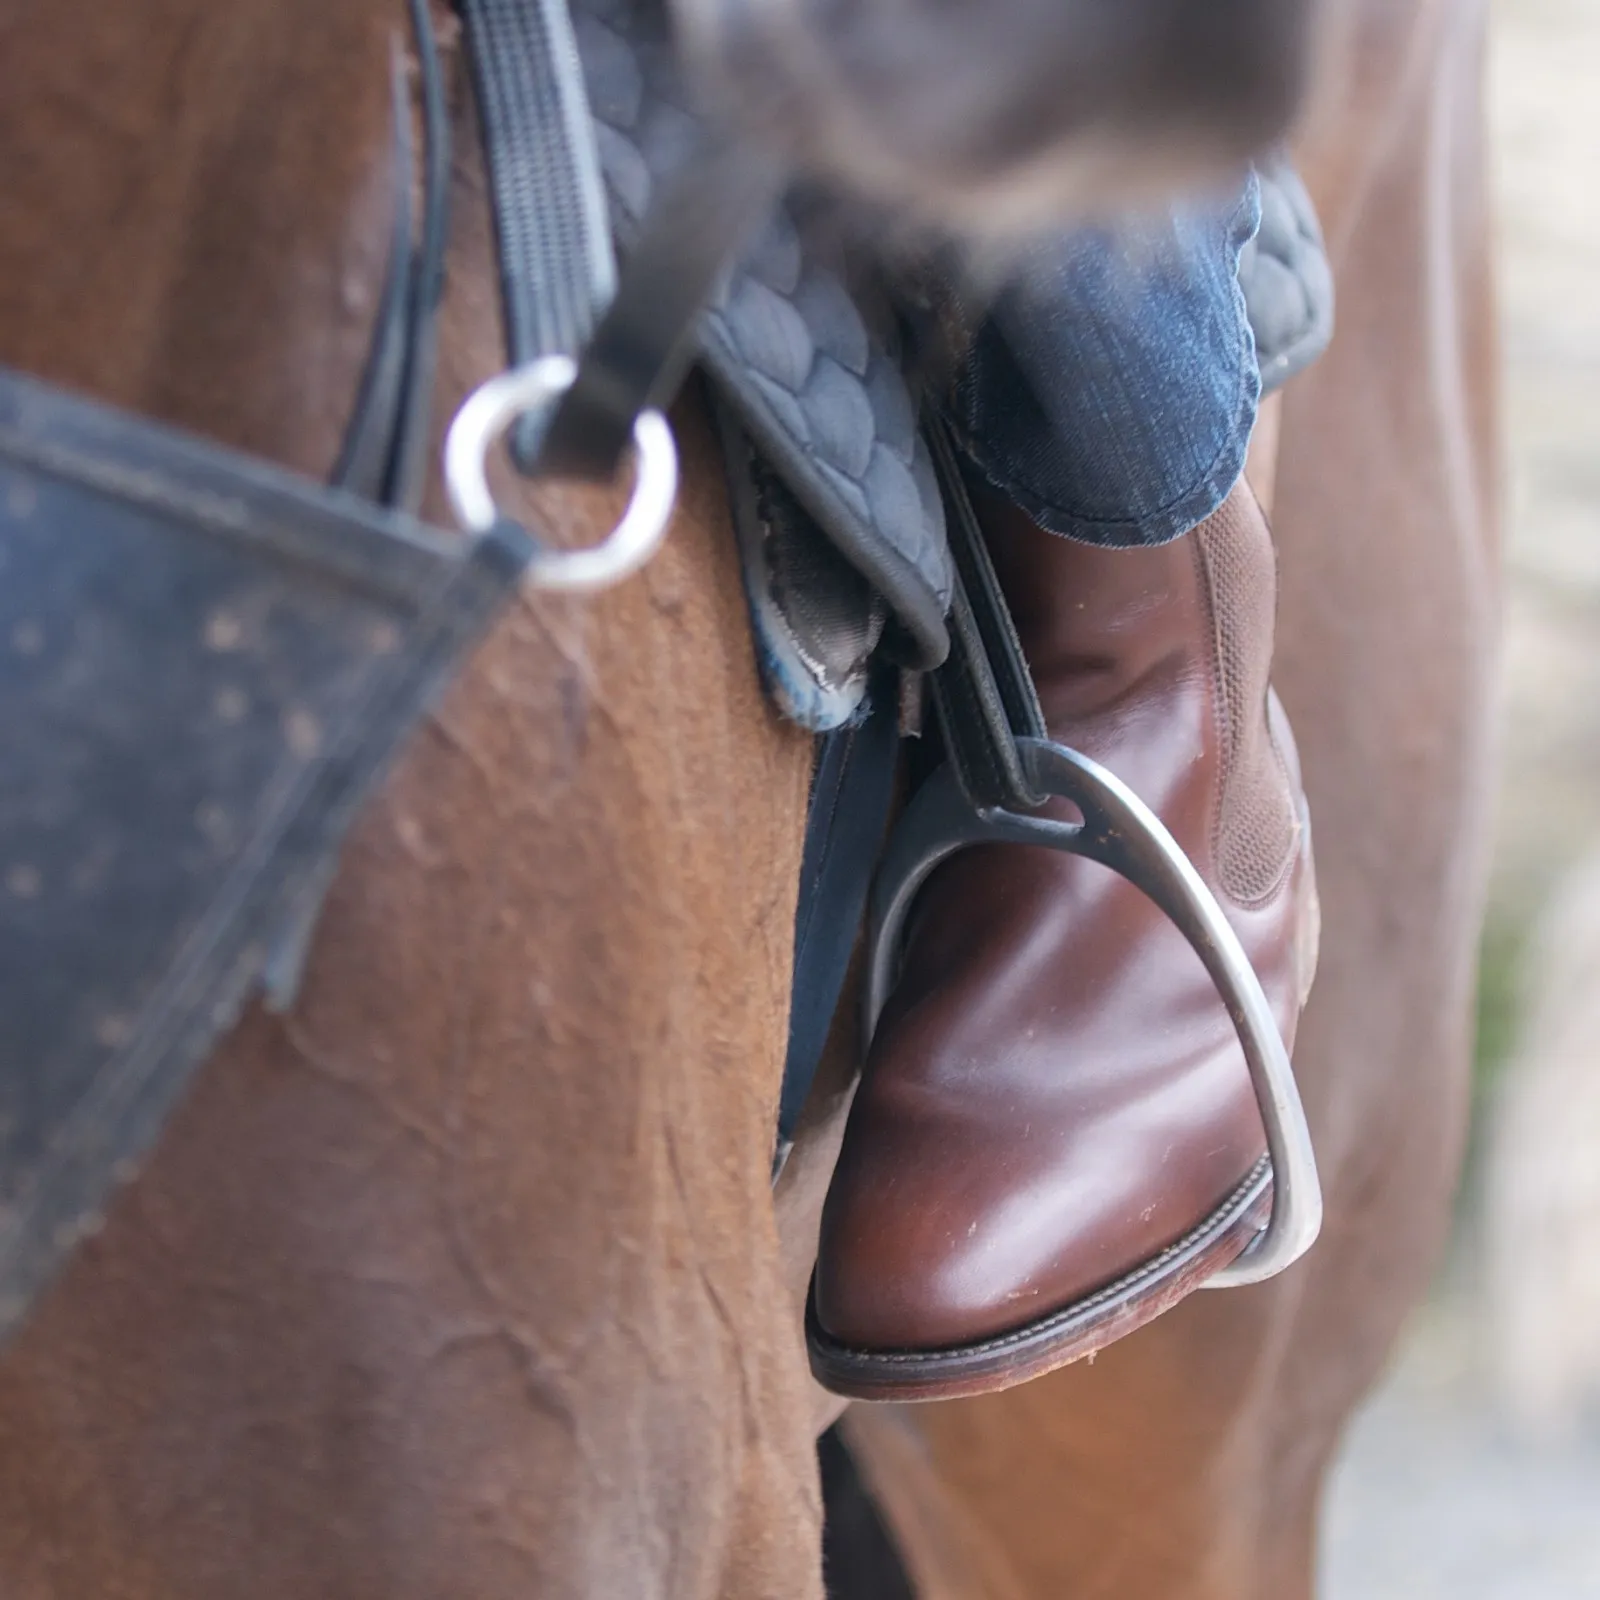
x=1055 y=1137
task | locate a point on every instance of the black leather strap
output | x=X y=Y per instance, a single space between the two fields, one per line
x=645 y=343
x=984 y=692
x=408 y=465
x=365 y=452
x=384 y=453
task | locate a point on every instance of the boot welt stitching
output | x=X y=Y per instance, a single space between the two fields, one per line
x=1236 y=1202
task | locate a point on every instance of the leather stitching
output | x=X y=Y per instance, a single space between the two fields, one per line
x=1219 y=1221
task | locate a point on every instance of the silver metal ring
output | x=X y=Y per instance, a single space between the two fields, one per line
x=491 y=408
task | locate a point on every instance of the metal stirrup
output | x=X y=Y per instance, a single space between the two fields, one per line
x=1120 y=832
x=998 y=768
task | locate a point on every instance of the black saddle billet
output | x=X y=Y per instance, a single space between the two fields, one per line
x=205 y=665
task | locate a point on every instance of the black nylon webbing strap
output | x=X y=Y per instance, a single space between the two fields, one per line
x=557 y=271
x=984 y=691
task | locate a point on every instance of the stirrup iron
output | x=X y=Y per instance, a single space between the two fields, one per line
x=1120 y=832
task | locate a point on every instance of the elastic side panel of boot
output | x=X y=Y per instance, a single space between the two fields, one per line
x=1254 y=838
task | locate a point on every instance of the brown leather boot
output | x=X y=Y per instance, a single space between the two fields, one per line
x=1055 y=1137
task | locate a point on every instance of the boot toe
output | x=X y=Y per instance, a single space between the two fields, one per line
x=942 y=1239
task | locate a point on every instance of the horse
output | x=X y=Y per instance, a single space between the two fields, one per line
x=1187 y=1461
x=466 y=1276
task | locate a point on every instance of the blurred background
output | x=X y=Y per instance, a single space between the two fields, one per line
x=1475 y=1471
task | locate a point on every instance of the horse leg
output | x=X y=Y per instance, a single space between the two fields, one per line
x=1187 y=1461
x=462 y=1279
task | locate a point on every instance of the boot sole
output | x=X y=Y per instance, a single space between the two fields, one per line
x=1064 y=1336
